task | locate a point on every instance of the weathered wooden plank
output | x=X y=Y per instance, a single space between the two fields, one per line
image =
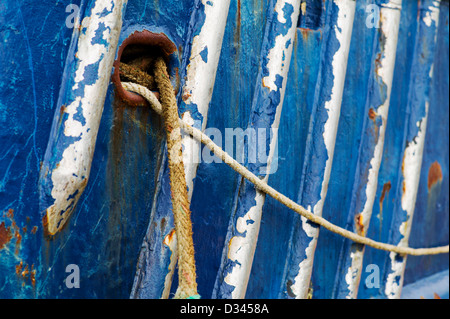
x=319 y=147
x=243 y=229
x=105 y=232
x=432 y=202
x=371 y=149
x=158 y=255
x=68 y=158
x=414 y=139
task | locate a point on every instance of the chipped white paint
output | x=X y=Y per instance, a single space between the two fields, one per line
x=72 y=172
x=412 y=163
x=390 y=22
x=343 y=31
x=300 y=287
x=432 y=14
x=197 y=90
x=170 y=241
x=200 y=78
x=241 y=249
x=353 y=275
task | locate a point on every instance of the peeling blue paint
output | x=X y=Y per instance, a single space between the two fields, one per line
x=266 y=103
x=316 y=155
x=112 y=216
x=204 y=54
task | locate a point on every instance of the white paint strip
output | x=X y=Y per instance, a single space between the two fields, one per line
x=241 y=249
x=390 y=23
x=198 y=89
x=72 y=172
x=411 y=174
x=343 y=30
x=200 y=78
x=412 y=164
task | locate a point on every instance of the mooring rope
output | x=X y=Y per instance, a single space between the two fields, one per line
x=187 y=283
x=264 y=187
x=137 y=75
x=187 y=279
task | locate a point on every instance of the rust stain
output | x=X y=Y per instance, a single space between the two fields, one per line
x=305 y=33
x=186 y=96
x=33 y=275
x=10 y=213
x=34 y=230
x=403 y=174
x=372 y=114
x=47 y=234
x=378 y=62
x=359 y=224
x=169 y=238
x=26 y=273
x=5 y=235
x=434 y=174
x=18 y=238
x=386 y=189
x=62 y=109
x=14 y=228
x=263 y=84
x=237 y=34
x=19 y=268
x=403 y=165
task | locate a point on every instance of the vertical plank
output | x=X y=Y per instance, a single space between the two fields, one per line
x=158 y=255
x=414 y=140
x=68 y=158
x=243 y=229
x=432 y=202
x=319 y=147
x=371 y=149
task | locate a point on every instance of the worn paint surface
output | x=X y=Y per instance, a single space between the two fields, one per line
x=68 y=158
x=319 y=147
x=159 y=260
x=270 y=86
x=371 y=149
x=416 y=124
x=126 y=188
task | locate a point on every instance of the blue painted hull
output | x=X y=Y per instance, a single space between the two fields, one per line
x=117 y=230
